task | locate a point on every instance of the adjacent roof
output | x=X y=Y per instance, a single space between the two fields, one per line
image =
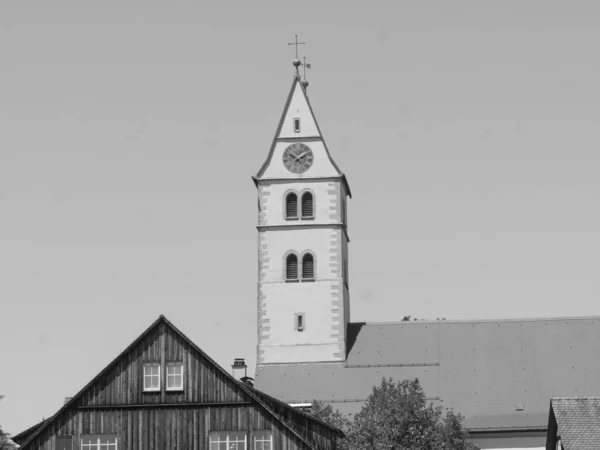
x=280 y=415
x=499 y=374
x=578 y=420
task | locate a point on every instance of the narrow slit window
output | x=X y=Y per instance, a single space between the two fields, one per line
x=308 y=267
x=307 y=206
x=291 y=206
x=296 y=125
x=299 y=322
x=291 y=267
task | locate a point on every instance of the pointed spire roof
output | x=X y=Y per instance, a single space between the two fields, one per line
x=297 y=105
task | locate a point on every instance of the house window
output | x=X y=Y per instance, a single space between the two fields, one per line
x=308 y=267
x=299 y=322
x=307 y=206
x=296 y=125
x=291 y=267
x=227 y=440
x=291 y=206
x=175 y=376
x=99 y=442
x=64 y=442
x=151 y=377
x=263 y=440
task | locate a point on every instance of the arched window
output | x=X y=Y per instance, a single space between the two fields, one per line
x=291 y=267
x=307 y=205
x=308 y=267
x=291 y=206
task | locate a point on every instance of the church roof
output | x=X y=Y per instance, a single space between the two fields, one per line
x=500 y=374
x=578 y=421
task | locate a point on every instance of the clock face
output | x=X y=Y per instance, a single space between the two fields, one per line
x=298 y=158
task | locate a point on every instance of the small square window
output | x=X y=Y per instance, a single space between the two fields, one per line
x=227 y=440
x=175 y=376
x=296 y=125
x=151 y=377
x=299 y=322
x=263 y=440
x=99 y=442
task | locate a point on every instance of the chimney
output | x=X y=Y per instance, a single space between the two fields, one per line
x=239 y=370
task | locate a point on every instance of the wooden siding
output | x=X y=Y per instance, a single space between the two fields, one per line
x=211 y=400
x=124 y=383
x=166 y=428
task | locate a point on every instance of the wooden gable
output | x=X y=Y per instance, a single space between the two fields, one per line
x=115 y=404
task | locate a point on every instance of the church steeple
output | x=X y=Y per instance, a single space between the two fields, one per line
x=303 y=288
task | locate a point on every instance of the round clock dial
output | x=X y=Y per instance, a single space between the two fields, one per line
x=298 y=158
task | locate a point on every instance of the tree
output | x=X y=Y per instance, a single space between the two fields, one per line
x=5 y=442
x=396 y=416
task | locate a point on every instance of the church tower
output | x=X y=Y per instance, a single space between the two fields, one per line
x=303 y=295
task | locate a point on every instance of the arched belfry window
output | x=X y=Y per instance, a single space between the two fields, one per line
x=291 y=267
x=291 y=206
x=308 y=267
x=307 y=206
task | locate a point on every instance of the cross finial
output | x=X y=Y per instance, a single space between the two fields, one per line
x=296 y=43
x=296 y=61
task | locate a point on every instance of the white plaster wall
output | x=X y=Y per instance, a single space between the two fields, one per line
x=283 y=300
x=272 y=197
x=301 y=353
x=298 y=108
x=321 y=166
x=278 y=242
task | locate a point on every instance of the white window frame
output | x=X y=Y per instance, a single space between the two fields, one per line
x=151 y=376
x=228 y=441
x=296 y=129
x=269 y=439
x=97 y=445
x=171 y=365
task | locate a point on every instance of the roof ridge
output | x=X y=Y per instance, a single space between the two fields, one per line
x=465 y=321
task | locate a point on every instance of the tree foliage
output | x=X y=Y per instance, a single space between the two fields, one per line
x=5 y=442
x=396 y=416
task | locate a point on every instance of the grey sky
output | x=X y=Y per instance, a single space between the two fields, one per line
x=129 y=132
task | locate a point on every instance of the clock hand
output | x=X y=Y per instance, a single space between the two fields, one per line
x=300 y=156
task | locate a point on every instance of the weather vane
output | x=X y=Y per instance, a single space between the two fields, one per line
x=305 y=66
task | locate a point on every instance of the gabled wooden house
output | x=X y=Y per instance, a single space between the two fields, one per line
x=163 y=392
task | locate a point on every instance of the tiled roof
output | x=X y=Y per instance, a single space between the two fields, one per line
x=578 y=420
x=498 y=374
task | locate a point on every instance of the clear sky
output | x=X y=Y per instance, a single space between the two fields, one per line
x=469 y=132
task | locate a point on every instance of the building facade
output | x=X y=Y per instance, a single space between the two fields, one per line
x=164 y=392
x=499 y=374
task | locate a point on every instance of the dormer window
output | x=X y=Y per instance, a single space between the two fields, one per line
x=291 y=206
x=297 y=125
